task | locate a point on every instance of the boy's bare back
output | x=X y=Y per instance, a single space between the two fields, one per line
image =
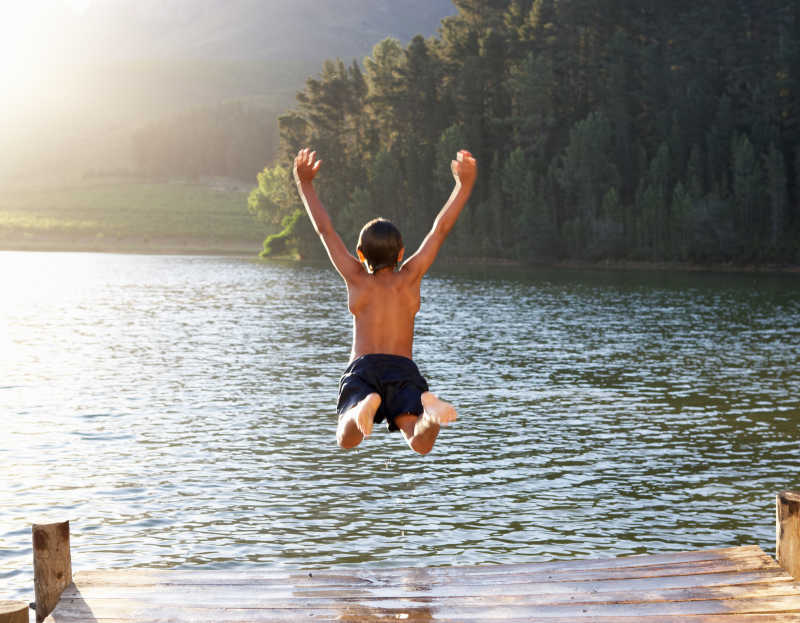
x=384 y=303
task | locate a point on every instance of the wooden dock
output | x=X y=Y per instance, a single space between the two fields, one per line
x=741 y=584
x=731 y=585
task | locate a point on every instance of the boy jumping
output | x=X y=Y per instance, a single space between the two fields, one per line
x=382 y=382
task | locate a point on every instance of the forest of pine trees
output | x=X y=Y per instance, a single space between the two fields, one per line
x=604 y=129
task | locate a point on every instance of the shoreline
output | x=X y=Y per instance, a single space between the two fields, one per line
x=193 y=246
x=167 y=246
x=628 y=265
x=718 y=267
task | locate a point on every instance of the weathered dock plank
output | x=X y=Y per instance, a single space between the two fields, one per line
x=732 y=585
x=356 y=616
x=729 y=560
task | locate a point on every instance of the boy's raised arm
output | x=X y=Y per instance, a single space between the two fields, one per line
x=305 y=168
x=465 y=171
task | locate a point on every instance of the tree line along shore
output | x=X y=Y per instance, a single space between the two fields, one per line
x=606 y=131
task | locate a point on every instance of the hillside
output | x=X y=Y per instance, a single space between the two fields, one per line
x=125 y=215
x=305 y=30
x=117 y=66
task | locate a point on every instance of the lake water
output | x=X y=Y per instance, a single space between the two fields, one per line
x=180 y=412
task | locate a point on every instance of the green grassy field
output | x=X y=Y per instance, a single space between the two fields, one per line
x=128 y=216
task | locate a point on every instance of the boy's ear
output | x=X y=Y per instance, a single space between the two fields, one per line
x=361 y=257
x=400 y=255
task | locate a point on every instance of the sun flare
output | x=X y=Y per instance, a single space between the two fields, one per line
x=32 y=45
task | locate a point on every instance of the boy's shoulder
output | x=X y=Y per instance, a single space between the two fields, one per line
x=364 y=280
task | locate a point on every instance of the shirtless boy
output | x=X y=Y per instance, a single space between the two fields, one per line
x=382 y=382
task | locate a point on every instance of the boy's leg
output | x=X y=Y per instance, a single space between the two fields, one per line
x=420 y=431
x=356 y=422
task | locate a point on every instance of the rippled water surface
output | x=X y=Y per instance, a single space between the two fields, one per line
x=180 y=412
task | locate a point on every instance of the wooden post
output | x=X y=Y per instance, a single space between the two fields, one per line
x=13 y=612
x=787 y=527
x=52 y=565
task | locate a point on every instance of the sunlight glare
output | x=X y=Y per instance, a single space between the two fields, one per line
x=78 y=6
x=32 y=45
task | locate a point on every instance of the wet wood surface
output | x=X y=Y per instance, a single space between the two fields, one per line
x=734 y=585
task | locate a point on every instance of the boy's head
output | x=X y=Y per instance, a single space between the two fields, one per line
x=380 y=245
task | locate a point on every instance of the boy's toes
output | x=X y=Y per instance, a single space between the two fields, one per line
x=437 y=410
x=446 y=415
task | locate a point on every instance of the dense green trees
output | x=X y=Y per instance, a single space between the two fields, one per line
x=603 y=129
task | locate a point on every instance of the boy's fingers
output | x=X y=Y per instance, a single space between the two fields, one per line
x=463 y=155
x=311 y=157
x=316 y=166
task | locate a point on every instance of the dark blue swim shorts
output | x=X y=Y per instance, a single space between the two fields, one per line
x=396 y=379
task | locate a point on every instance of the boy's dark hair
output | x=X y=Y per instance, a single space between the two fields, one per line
x=380 y=242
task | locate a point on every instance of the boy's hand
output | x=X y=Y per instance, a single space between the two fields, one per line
x=306 y=166
x=465 y=168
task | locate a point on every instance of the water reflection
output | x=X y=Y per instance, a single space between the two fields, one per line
x=180 y=411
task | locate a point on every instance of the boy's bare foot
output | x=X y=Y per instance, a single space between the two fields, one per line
x=364 y=412
x=437 y=410
x=356 y=422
